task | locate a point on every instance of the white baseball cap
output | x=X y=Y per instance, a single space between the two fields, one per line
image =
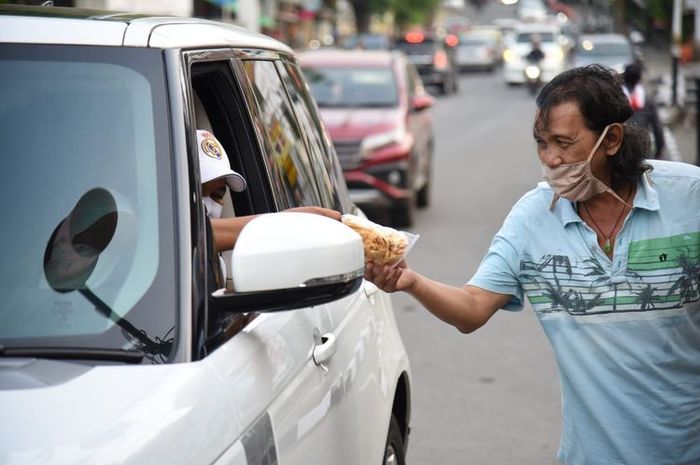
x=214 y=163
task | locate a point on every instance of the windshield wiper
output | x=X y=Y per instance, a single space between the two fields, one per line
x=75 y=353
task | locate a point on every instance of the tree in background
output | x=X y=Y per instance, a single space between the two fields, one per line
x=364 y=9
x=405 y=12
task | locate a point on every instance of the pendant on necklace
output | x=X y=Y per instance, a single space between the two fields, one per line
x=606 y=246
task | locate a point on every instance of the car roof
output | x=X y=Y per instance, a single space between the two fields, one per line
x=338 y=57
x=74 y=26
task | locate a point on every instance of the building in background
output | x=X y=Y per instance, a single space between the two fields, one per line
x=295 y=22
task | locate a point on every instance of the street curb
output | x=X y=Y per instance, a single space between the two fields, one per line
x=674 y=153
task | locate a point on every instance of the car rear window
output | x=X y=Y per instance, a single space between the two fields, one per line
x=87 y=232
x=368 y=87
x=426 y=47
x=475 y=40
x=526 y=37
x=600 y=49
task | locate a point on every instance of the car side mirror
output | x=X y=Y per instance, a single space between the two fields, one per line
x=421 y=102
x=288 y=260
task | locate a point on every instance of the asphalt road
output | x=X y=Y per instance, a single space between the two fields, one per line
x=491 y=397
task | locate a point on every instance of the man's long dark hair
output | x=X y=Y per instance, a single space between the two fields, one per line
x=600 y=99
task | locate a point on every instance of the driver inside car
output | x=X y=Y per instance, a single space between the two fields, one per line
x=216 y=176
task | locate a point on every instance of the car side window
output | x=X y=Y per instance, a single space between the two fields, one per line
x=286 y=157
x=331 y=185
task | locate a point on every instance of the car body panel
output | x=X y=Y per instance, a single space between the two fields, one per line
x=259 y=392
x=126 y=414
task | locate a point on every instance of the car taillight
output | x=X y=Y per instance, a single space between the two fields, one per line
x=452 y=40
x=440 y=59
x=414 y=37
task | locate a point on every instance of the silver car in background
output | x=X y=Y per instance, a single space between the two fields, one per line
x=610 y=50
x=478 y=50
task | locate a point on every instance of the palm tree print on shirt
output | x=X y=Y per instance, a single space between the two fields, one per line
x=661 y=273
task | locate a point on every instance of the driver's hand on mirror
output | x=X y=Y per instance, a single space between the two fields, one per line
x=327 y=212
x=390 y=278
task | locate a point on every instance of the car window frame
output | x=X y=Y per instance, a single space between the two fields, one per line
x=257 y=117
x=245 y=154
x=327 y=166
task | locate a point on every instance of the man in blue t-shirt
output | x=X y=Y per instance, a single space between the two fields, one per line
x=607 y=251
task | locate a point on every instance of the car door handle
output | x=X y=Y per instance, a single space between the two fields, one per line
x=324 y=348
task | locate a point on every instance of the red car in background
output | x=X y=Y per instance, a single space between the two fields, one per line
x=378 y=115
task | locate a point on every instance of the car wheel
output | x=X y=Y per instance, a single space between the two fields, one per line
x=403 y=212
x=394 y=453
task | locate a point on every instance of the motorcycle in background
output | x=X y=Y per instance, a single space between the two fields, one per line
x=533 y=66
x=533 y=76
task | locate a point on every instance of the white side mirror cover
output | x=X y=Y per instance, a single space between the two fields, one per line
x=289 y=249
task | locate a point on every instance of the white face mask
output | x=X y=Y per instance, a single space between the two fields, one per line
x=213 y=208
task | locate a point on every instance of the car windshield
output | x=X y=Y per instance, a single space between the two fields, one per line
x=604 y=49
x=340 y=87
x=87 y=239
x=526 y=37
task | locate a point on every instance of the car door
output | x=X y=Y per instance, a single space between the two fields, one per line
x=265 y=362
x=361 y=390
x=302 y=418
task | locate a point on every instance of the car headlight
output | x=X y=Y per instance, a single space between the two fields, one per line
x=509 y=55
x=532 y=72
x=382 y=139
x=558 y=54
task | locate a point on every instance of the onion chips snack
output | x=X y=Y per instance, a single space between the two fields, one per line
x=383 y=245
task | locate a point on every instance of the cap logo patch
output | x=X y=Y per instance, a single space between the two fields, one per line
x=211 y=148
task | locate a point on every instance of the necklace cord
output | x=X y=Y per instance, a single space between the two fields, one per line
x=619 y=217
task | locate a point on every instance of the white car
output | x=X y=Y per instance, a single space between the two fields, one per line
x=115 y=346
x=520 y=44
x=531 y=10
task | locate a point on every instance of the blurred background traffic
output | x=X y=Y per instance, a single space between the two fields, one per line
x=374 y=65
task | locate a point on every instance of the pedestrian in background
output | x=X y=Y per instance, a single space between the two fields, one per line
x=645 y=113
x=607 y=251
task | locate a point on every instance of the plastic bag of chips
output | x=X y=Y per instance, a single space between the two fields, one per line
x=383 y=245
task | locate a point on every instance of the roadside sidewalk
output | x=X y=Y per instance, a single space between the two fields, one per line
x=679 y=122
